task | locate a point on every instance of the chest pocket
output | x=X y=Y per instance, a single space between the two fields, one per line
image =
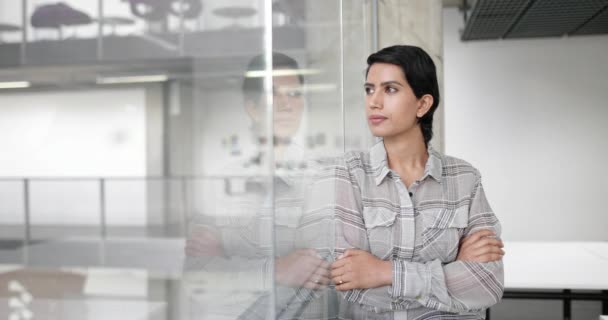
x=379 y=224
x=442 y=229
x=288 y=216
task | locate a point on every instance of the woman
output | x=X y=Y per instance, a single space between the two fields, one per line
x=235 y=246
x=416 y=236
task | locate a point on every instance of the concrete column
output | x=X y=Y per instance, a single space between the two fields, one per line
x=418 y=23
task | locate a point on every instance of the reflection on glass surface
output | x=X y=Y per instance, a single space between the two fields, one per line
x=11 y=27
x=61 y=20
x=159 y=165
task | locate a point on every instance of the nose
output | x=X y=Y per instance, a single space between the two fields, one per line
x=281 y=101
x=375 y=101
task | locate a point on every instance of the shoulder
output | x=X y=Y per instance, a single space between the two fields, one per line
x=459 y=172
x=357 y=160
x=456 y=168
x=350 y=166
x=349 y=161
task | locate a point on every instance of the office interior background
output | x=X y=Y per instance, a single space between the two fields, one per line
x=121 y=120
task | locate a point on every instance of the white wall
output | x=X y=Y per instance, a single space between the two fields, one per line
x=530 y=114
x=73 y=133
x=67 y=134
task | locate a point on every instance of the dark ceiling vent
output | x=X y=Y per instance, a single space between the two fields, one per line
x=497 y=19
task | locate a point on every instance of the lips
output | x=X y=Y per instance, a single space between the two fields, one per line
x=376 y=119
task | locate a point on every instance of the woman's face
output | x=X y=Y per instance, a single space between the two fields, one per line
x=390 y=104
x=288 y=106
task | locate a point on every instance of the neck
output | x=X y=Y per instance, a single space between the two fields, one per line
x=406 y=151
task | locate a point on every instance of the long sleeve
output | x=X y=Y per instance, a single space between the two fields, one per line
x=331 y=219
x=457 y=287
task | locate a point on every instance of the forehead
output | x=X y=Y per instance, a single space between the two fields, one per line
x=381 y=72
x=286 y=81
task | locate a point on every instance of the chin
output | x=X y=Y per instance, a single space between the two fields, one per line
x=379 y=133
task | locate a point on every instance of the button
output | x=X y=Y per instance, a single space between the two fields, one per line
x=411 y=194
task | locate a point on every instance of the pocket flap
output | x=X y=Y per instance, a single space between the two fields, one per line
x=447 y=218
x=378 y=217
x=288 y=216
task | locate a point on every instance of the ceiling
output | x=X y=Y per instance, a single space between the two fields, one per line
x=509 y=19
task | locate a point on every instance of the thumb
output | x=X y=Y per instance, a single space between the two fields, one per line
x=349 y=253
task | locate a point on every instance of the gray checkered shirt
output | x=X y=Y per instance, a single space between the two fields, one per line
x=357 y=201
x=418 y=229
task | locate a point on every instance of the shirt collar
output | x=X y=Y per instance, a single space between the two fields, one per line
x=379 y=162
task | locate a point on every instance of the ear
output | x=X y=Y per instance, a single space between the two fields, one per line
x=424 y=105
x=252 y=110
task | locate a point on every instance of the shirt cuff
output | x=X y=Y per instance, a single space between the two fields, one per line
x=411 y=280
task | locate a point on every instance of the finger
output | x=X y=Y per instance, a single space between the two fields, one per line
x=491 y=257
x=337 y=272
x=320 y=263
x=486 y=242
x=487 y=257
x=478 y=235
x=475 y=237
x=325 y=264
x=325 y=279
x=335 y=279
x=346 y=278
x=345 y=286
x=312 y=285
x=321 y=280
x=350 y=252
x=323 y=272
x=339 y=264
x=318 y=279
x=486 y=250
x=309 y=261
x=339 y=279
x=343 y=255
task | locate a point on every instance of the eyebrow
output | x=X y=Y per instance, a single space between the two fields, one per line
x=383 y=84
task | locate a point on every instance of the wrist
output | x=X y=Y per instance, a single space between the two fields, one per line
x=387 y=273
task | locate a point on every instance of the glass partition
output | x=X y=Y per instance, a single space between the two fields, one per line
x=162 y=155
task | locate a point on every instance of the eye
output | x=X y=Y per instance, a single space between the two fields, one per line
x=294 y=93
x=391 y=90
x=369 y=90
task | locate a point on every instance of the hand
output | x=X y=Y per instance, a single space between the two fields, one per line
x=481 y=246
x=358 y=269
x=302 y=268
x=204 y=241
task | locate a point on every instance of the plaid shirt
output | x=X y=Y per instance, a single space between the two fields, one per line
x=356 y=201
x=418 y=229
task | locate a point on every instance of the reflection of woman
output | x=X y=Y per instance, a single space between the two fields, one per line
x=242 y=243
x=288 y=105
x=427 y=239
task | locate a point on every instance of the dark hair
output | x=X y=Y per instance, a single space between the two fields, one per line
x=420 y=73
x=253 y=87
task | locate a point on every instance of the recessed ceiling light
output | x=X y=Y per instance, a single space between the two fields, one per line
x=14 y=84
x=281 y=72
x=133 y=79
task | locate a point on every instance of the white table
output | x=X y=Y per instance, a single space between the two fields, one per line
x=556 y=270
